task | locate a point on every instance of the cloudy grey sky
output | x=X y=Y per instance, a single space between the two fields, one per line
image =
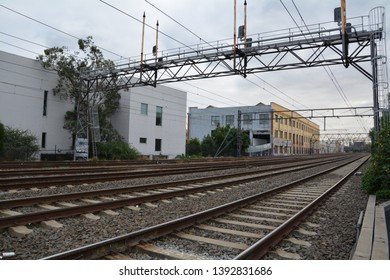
x=28 y=27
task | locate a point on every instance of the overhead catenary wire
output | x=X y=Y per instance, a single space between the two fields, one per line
x=336 y=82
x=252 y=82
x=259 y=86
x=54 y=28
x=73 y=36
x=148 y=25
x=326 y=68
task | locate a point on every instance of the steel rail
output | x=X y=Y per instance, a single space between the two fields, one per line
x=4 y=165
x=45 y=215
x=121 y=243
x=260 y=248
x=80 y=178
x=28 y=201
x=7 y=169
x=44 y=170
x=65 y=179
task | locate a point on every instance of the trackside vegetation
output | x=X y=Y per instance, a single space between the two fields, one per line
x=68 y=67
x=376 y=180
x=221 y=142
x=16 y=144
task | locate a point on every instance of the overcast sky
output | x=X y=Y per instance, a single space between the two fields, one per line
x=28 y=27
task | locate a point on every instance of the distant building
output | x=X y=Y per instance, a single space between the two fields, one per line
x=331 y=146
x=152 y=120
x=272 y=129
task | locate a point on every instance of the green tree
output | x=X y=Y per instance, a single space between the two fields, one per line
x=2 y=135
x=223 y=142
x=193 y=147
x=377 y=177
x=19 y=144
x=68 y=67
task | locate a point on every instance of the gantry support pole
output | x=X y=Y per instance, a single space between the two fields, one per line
x=142 y=44
x=245 y=24
x=344 y=33
x=235 y=34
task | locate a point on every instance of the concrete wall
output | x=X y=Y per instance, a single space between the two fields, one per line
x=133 y=125
x=23 y=82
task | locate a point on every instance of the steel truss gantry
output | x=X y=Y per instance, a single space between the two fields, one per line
x=355 y=141
x=312 y=46
x=294 y=48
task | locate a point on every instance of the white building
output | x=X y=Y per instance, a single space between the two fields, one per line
x=27 y=102
x=152 y=120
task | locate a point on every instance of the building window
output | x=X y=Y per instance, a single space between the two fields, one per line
x=230 y=120
x=157 y=146
x=263 y=119
x=43 y=140
x=45 y=94
x=159 y=112
x=144 y=109
x=247 y=118
x=142 y=140
x=215 y=120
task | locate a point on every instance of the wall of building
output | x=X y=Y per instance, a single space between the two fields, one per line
x=270 y=132
x=23 y=83
x=142 y=130
x=292 y=134
x=202 y=121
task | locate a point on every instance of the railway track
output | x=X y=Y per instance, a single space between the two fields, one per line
x=28 y=210
x=243 y=229
x=32 y=178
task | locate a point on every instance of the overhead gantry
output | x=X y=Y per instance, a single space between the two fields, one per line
x=350 y=43
x=311 y=46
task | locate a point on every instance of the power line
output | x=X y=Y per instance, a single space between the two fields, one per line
x=328 y=71
x=54 y=28
x=15 y=46
x=163 y=33
x=170 y=37
x=25 y=40
x=252 y=82
x=336 y=82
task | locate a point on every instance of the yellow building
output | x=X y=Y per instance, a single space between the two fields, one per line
x=272 y=129
x=292 y=133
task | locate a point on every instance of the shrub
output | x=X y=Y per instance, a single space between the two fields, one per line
x=2 y=135
x=377 y=177
x=193 y=147
x=19 y=144
x=117 y=150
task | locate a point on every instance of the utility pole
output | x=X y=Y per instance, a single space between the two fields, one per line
x=155 y=50
x=142 y=44
x=344 y=33
x=375 y=86
x=245 y=24
x=235 y=34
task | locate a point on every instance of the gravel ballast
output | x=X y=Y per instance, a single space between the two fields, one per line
x=334 y=240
